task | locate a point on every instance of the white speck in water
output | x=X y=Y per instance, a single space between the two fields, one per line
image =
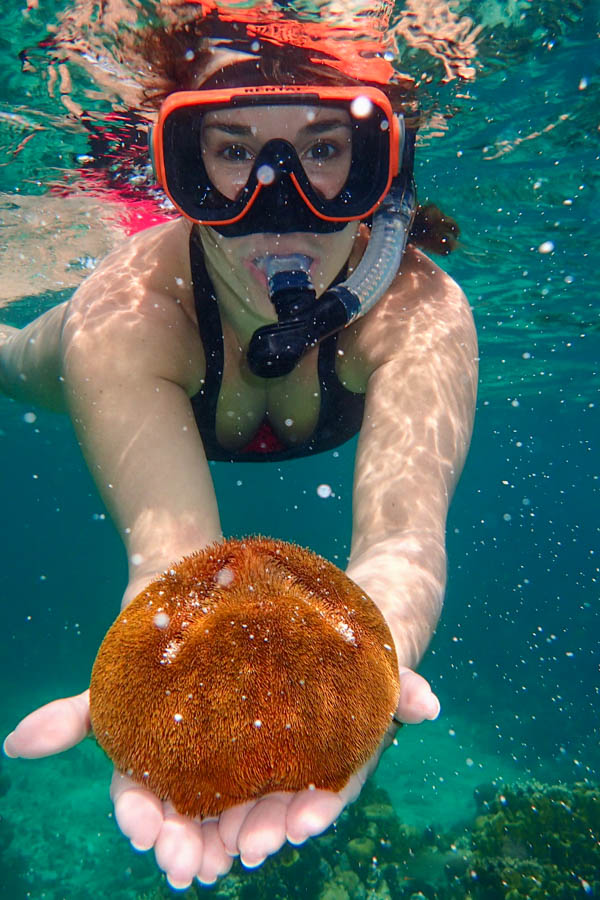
x=137 y=559
x=255 y=46
x=311 y=787
x=257 y=723
x=30 y=418
x=507 y=517
x=179 y=282
x=178 y=717
x=170 y=651
x=515 y=403
x=546 y=247
x=265 y=174
x=324 y=491
x=361 y=107
x=189 y=55
x=387 y=647
x=289 y=422
x=583 y=84
x=161 y=620
x=345 y=631
x=224 y=576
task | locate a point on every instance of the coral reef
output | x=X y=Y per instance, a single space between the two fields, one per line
x=253 y=666
x=537 y=841
x=528 y=842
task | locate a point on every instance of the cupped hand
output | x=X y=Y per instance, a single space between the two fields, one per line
x=189 y=848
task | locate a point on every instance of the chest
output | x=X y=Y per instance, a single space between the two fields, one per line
x=291 y=405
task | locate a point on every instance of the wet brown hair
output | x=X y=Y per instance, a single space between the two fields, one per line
x=181 y=54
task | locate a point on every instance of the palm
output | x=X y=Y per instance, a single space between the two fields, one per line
x=186 y=848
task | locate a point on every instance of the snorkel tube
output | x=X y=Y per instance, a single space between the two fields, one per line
x=304 y=321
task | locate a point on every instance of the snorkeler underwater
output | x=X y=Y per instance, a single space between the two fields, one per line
x=263 y=263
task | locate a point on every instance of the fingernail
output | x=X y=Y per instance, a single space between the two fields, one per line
x=5 y=749
x=252 y=864
x=178 y=885
x=141 y=848
x=434 y=708
x=297 y=841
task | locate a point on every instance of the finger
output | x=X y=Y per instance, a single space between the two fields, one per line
x=263 y=831
x=311 y=812
x=52 y=728
x=139 y=813
x=216 y=861
x=417 y=700
x=179 y=849
x=230 y=823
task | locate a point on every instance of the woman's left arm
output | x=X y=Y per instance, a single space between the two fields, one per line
x=416 y=430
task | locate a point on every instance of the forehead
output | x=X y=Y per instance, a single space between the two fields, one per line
x=279 y=115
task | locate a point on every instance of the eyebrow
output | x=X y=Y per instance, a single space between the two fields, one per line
x=246 y=130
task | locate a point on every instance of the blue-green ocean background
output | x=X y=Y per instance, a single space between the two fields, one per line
x=515 y=660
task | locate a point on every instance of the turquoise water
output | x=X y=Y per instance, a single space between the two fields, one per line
x=515 y=659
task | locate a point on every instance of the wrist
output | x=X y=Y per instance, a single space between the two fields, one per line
x=409 y=594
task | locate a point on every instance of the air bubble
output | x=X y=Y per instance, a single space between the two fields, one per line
x=225 y=576
x=266 y=174
x=361 y=107
x=161 y=620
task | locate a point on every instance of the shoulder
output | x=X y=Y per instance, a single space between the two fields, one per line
x=153 y=260
x=423 y=309
x=137 y=306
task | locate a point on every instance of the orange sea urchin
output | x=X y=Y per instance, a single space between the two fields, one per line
x=250 y=667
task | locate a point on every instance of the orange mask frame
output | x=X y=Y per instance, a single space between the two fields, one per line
x=177 y=154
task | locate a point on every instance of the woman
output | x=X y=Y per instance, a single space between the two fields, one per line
x=156 y=357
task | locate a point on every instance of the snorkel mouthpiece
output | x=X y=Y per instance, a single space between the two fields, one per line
x=288 y=277
x=302 y=321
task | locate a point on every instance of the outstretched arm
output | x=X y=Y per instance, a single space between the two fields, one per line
x=413 y=443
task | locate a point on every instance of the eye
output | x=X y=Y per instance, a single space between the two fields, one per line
x=236 y=153
x=322 y=151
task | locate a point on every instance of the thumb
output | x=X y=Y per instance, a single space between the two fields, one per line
x=52 y=728
x=417 y=700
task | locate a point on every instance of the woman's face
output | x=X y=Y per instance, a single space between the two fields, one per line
x=233 y=138
x=231 y=141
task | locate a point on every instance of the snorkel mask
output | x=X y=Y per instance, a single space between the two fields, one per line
x=349 y=147
x=353 y=160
